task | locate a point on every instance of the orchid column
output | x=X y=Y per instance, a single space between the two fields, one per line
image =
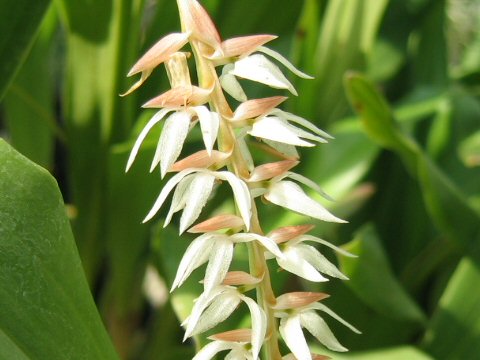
x=186 y=104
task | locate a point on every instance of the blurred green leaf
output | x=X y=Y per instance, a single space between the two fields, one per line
x=454 y=331
x=20 y=22
x=396 y=353
x=445 y=203
x=373 y=281
x=29 y=112
x=469 y=150
x=46 y=309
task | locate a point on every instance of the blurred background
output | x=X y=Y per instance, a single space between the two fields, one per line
x=413 y=203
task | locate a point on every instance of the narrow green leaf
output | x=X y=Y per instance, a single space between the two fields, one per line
x=372 y=279
x=46 y=309
x=19 y=25
x=454 y=332
x=469 y=150
x=396 y=353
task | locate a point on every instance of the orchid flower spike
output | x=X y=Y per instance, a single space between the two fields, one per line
x=226 y=157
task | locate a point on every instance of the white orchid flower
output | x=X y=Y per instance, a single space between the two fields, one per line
x=217 y=305
x=236 y=341
x=217 y=250
x=200 y=191
x=297 y=310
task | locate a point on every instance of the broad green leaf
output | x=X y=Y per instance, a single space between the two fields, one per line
x=46 y=309
x=373 y=281
x=19 y=25
x=454 y=331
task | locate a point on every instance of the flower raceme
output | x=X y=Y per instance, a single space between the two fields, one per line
x=226 y=158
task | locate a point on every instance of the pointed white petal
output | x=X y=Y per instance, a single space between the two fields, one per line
x=289 y=151
x=273 y=128
x=306 y=181
x=319 y=262
x=321 y=307
x=241 y=194
x=167 y=189
x=219 y=310
x=231 y=85
x=277 y=56
x=218 y=263
x=239 y=353
x=196 y=255
x=319 y=328
x=291 y=332
x=259 y=325
x=171 y=141
x=195 y=199
x=323 y=242
x=199 y=307
x=209 y=351
x=268 y=243
x=258 y=68
x=301 y=121
x=143 y=134
x=289 y=195
x=293 y=262
x=209 y=124
x=178 y=199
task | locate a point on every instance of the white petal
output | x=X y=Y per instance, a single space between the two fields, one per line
x=195 y=199
x=301 y=121
x=258 y=68
x=277 y=56
x=178 y=199
x=289 y=195
x=273 y=128
x=171 y=141
x=219 y=310
x=209 y=124
x=259 y=325
x=306 y=181
x=143 y=134
x=286 y=149
x=196 y=255
x=321 y=307
x=319 y=262
x=291 y=331
x=268 y=243
x=323 y=242
x=241 y=194
x=293 y=262
x=167 y=189
x=231 y=85
x=239 y=353
x=211 y=349
x=199 y=307
x=218 y=263
x=319 y=328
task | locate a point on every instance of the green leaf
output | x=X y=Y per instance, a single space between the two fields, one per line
x=446 y=204
x=29 y=105
x=373 y=281
x=396 y=353
x=46 y=309
x=469 y=150
x=454 y=331
x=19 y=25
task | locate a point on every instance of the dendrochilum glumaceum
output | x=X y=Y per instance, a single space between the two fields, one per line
x=219 y=65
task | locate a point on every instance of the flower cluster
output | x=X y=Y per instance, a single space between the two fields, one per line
x=231 y=162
